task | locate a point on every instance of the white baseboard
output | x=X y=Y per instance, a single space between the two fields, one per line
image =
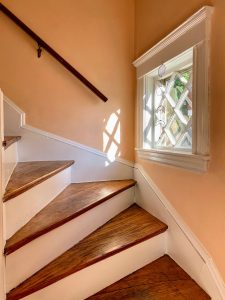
x=182 y=245
x=90 y=280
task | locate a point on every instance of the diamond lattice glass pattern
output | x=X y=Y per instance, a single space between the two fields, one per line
x=172 y=111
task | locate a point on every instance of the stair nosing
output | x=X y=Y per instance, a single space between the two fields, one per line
x=24 y=242
x=15 y=139
x=26 y=187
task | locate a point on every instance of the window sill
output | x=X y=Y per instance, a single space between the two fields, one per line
x=192 y=162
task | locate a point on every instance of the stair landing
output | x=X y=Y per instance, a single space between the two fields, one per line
x=162 y=279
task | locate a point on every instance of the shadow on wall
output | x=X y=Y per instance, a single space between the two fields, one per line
x=111 y=137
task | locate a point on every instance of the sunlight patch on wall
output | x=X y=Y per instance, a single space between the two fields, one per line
x=111 y=137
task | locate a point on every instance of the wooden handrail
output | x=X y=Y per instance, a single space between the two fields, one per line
x=59 y=58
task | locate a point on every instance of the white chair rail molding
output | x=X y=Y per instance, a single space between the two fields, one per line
x=173 y=96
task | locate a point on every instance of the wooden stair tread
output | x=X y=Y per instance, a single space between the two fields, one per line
x=162 y=279
x=28 y=174
x=76 y=199
x=129 y=228
x=9 y=140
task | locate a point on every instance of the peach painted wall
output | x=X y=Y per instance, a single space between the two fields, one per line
x=97 y=38
x=199 y=198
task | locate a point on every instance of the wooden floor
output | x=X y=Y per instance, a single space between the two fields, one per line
x=76 y=199
x=9 y=140
x=129 y=228
x=161 y=280
x=28 y=174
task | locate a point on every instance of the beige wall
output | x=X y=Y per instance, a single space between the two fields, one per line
x=96 y=37
x=199 y=198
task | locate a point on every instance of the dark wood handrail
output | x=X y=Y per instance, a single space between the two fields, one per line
x=59 y=58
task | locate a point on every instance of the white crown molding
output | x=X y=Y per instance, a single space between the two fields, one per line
x=194 y=241
x=191 y=22
x=60 y=138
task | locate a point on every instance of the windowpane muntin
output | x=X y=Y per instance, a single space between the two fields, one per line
x=167 y=115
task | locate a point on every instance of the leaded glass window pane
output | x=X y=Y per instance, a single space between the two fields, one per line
x=169 y=111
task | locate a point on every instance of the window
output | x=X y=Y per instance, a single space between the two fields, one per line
x=173 y=114
x=167 y=113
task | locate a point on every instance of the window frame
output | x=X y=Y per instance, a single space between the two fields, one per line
x=193 y=33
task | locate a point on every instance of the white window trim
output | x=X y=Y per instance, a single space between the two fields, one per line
x=194 y=32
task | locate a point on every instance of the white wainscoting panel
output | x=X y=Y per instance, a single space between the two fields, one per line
x=88 y=166
x=91 y=164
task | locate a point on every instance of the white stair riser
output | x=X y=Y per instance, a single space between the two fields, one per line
x=92 y=279
x=21 y=264
x=19 y=210
x=10 y=159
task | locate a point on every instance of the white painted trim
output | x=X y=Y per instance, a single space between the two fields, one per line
x=9 y=162
x=191 y=22
x=201 y=250
x=182 y=60
x=20 y=264
x=96 y=277
x=189 y=236
x=17 y=109
x=192 y=34
x=59 y=138
x=178 y=159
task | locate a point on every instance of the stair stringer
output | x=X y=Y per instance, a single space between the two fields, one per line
x=91 y=164
x=182 y=245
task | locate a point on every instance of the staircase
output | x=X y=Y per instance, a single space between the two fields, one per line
x=161 y=279
x=75 y=241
